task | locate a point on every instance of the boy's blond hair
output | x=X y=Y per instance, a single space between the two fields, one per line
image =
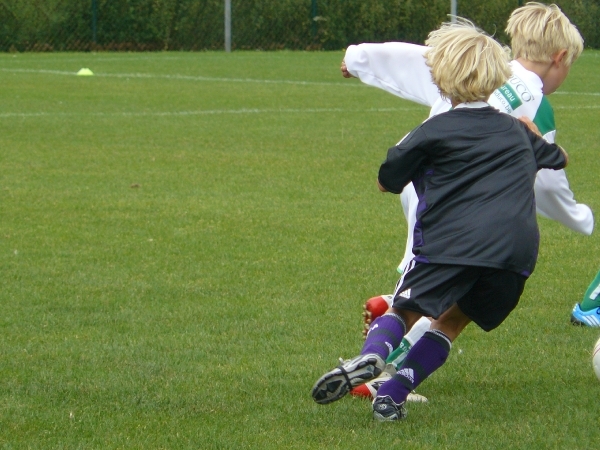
x=466 y=64
x=539 y=31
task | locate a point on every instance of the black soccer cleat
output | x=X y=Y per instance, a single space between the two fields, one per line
x=386 y=410
x=350 y=373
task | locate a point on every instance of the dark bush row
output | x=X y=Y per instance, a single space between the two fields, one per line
x=53 y=25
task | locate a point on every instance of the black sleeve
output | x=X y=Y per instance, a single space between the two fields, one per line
x=403 y=160
x=548 y=156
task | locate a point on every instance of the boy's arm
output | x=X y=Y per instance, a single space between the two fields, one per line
x=535 y=130
x=381 y=188
x=547 y=155
x=555 y=200
x=565 y=154
x=402 y=161
x=396 y=67
x=532 y=126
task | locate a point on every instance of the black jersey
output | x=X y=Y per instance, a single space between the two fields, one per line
x=473 y=170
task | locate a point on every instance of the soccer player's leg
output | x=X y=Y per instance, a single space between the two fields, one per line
x=587 y=313
x=393 y=362
x=385 y=334
x=486 y=296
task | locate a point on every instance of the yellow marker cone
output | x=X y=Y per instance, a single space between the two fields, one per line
x=85 y=72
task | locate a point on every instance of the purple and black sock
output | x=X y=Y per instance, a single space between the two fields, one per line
x=427 y=355
x=385 y=334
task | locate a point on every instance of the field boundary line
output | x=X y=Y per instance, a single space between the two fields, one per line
x=189 y=78
x=212 y=112
x=224 y=80
x=241 y=111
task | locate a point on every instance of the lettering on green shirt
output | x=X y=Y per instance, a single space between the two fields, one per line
x=510 y=96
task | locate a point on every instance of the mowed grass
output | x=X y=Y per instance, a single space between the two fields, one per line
x=186 y=241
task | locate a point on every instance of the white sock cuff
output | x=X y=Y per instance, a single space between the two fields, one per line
x=417 y=330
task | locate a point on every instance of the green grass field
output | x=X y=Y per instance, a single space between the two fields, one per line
x=186 y=241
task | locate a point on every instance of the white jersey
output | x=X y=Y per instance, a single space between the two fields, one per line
x=400 y=68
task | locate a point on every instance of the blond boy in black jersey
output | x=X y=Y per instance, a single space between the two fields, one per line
x=476 y=237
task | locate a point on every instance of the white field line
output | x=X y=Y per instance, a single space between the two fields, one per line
x=101 y=57
x=210 y=112
x=224 y=80
x=576 y=93
x=92 y=58
x=187 y=77
x=578 y=107
x=230 y=111
x=248 y=111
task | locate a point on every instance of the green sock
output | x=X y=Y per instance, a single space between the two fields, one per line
x=591 y=298
x=398 y=355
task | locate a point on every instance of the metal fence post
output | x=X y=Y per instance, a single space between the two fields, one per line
x=94 y=21
x=313 y=15
x=453 y=11
x=228 y=26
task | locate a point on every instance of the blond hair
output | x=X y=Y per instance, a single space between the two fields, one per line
x=466 y=64
x=539 y=31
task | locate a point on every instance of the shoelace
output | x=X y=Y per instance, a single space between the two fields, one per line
x=341 y=367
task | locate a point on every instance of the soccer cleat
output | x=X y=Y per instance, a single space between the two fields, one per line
x=350 y=373
x=416 y=398
x=373 y=308
x=386 y=410
x=370 y=388
x=589 y=318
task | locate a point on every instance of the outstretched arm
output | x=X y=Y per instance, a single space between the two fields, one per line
x=396 y=67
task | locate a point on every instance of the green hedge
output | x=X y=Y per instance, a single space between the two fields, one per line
x=52 y=25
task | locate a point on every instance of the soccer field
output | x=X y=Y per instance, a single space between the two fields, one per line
x=186 y=242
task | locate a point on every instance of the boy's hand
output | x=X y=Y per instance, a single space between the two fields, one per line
x=344 y=70
x=532 y=126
